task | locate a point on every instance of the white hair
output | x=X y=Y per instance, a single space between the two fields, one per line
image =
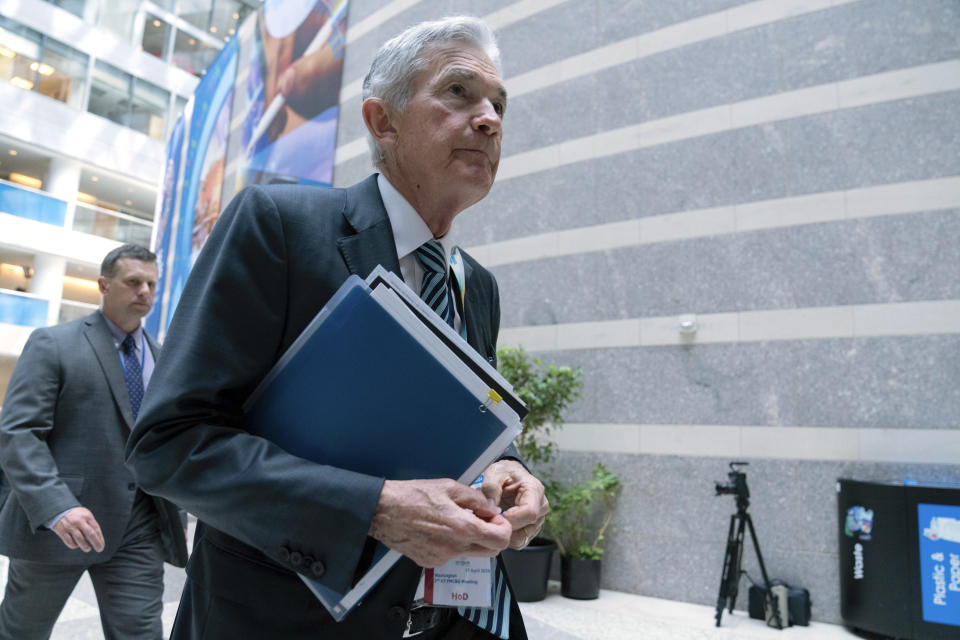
x=397 y=62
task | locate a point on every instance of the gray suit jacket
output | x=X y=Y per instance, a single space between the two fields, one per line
x=63 y=430
x=275 y=257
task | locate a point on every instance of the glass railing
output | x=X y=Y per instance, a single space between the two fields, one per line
x=24 y=202
x=23 y=309
x=112 y=225
x=70 y=310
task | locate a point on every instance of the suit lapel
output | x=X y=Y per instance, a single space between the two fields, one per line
x=373 y=243
x=477 y=310
x=101 y=341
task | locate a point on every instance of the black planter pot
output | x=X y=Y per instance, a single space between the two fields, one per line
x=529 y=569
x=579 y=578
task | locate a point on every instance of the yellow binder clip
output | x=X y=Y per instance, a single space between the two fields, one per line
x=492 y=398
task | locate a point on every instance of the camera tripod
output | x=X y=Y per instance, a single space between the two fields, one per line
x=733 y=559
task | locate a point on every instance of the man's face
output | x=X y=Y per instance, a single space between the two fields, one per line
x=448 y=136
x=128 y=294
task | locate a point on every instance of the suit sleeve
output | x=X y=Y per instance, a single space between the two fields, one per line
x=189 y=444
x=27 y=422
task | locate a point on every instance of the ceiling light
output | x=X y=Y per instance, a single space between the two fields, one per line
x=192 y=41
x=13 y=152
x=232 y=31
x=128 y=202
x=213 y=29
x=85 y=197
x=156 y=23
x=44 y=69
x=6 y=53
x=26 y=180
x=21 y=82
x=94 y=179
x=236 y=16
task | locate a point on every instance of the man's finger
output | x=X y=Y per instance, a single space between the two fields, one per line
x=77 y=536
x=476 y=501
x=92 y=534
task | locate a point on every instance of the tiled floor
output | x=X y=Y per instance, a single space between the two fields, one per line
x=614 y=616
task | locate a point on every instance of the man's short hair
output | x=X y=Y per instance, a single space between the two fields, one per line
x=109 y=265
x=400 y=59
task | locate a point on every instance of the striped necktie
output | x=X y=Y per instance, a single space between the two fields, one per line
x=435 y=292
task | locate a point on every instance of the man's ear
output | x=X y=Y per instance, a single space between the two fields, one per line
x=102 y=284
x=379 y=118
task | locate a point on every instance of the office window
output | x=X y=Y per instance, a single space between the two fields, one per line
x=62 y=73
x=110 y=92
x=35 y=62
x=76 y=7
x=147 y=108
x=118 y=16
x=155 y=32
x=219 y=18
x=192 y=55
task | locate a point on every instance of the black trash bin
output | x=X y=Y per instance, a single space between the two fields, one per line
x=899 y=552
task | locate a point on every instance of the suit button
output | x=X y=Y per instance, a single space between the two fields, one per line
x=317 y=568
x=397 y=613
x=283 y=554
x=296 y=558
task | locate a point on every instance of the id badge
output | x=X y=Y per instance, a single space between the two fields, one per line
x=462 y=582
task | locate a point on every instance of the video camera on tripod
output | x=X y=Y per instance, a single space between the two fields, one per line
x=737 y=485
x=776 y=602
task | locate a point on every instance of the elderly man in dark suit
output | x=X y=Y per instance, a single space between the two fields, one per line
x=67 y=502
x=433 y=104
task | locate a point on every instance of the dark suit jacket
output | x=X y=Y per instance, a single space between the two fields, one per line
x=63 y=431
x=275 y=257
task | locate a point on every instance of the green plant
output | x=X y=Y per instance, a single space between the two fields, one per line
x=547 y=390
x=581 y=513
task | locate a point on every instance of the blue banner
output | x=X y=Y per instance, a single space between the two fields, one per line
x=161 y=244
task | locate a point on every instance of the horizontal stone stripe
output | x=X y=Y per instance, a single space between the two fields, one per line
x=675 y=36
x=706 y=27
x=377 y=18
x=848 y=204
x=834 y=96
x=714 y=25
x=887 y=382
x=931 y=446
x=851 y=321
x=496 y=20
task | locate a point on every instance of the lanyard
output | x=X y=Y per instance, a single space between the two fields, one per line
x=460 y=280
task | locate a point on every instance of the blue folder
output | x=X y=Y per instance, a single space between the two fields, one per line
x=360 y=390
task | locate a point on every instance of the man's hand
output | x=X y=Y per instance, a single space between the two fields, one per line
x=521 y=497
x=79 y=529
x=428 y=521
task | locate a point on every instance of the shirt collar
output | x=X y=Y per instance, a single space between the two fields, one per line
x=409 y=229
x=119 y=335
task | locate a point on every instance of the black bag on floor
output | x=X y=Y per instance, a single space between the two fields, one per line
x=798 y=603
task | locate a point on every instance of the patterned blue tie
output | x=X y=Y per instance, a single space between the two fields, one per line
x=435 y=292
x=133 y=374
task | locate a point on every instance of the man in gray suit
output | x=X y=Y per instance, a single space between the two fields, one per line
x=433 y=104
x=67 y=502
